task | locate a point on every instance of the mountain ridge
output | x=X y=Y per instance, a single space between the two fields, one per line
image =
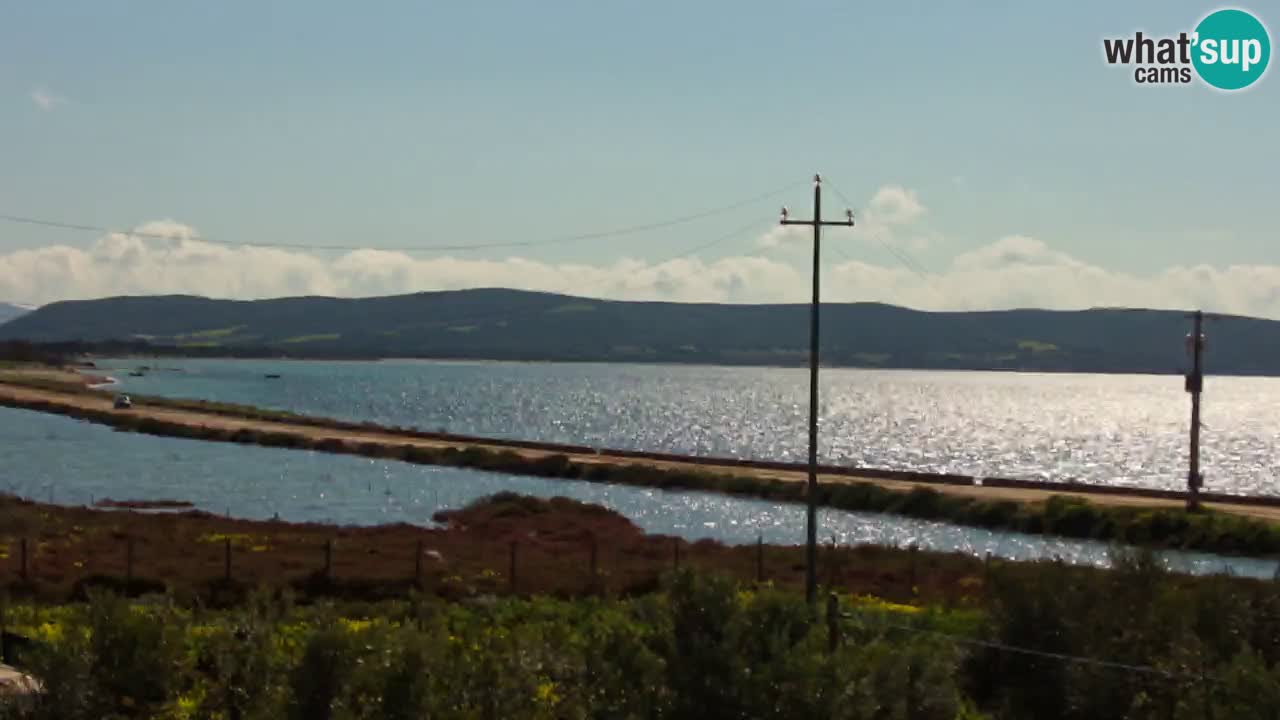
x=10 y=311
x=504 y=324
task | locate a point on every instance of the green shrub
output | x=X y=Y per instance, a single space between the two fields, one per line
x=316 y=683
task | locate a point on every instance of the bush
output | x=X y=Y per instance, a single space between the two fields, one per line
x=316 y=683
x=708 y=648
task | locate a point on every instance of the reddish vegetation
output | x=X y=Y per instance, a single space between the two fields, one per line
x=144 y=504
x=69 y=548
x=544 y=524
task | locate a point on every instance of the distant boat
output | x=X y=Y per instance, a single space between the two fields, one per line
x=271 y=376
x=137 y=373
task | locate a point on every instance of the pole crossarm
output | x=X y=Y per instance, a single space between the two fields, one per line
x=823 y=223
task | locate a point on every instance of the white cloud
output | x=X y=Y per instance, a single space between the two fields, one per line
x=46 y=100
x=780 y=235
x=895 y=205
x=1014 y=271
x=1012 y=251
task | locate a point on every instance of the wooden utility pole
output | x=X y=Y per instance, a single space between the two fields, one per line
x=1194 y=385
x=811 y=542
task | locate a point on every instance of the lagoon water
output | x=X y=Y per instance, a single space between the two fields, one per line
x=1114 y=429
x=54 y=458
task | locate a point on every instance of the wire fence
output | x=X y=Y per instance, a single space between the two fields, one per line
x=382 y=562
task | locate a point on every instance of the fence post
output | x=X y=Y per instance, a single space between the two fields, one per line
x=913 y=689
x=512 y=575
x=417 y=563
x=913 y=551
x=760 y=558
x=833 y=622
x=833 y=559
x=328 y=559
x=226 y=560
x=1208 y=697
x=595 y=565
x=25 y=566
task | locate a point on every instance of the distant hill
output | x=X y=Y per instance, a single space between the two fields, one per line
x=517 y=325
x=9 y=311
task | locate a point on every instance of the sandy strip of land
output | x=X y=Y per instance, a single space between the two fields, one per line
x=14 y=394
x=87 y=377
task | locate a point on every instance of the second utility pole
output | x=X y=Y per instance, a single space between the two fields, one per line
x=1195 y=385
x=811 y=527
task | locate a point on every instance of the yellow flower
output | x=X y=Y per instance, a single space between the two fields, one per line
x=546 y=694
x=185 y=707
x=872 y=602
x=237 y=539
x=46 y=632
x=356 y=626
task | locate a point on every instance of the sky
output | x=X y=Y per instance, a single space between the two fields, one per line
x=991 y=156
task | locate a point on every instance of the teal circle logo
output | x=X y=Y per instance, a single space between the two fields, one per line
x=1231 y=49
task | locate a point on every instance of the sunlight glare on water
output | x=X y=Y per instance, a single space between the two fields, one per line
x=48 y=457
x=1116 y=429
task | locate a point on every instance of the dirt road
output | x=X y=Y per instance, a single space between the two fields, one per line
x=19 y=396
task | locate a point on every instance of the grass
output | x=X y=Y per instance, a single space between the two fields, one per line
x=215 y=333
x=872 y=358
x=1035 y=346
x=318 y=337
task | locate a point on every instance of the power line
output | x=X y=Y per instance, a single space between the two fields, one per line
x=1032 y=652
x=903 y=258
x=510 y=314
x=616 y=232
x=925 y=276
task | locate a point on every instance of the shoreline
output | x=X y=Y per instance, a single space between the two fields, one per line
x=1172 y=373
x=70 y=375
x=1240 y=526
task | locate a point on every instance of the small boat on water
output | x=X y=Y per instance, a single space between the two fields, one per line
x=137 y=373
x=271 y=376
